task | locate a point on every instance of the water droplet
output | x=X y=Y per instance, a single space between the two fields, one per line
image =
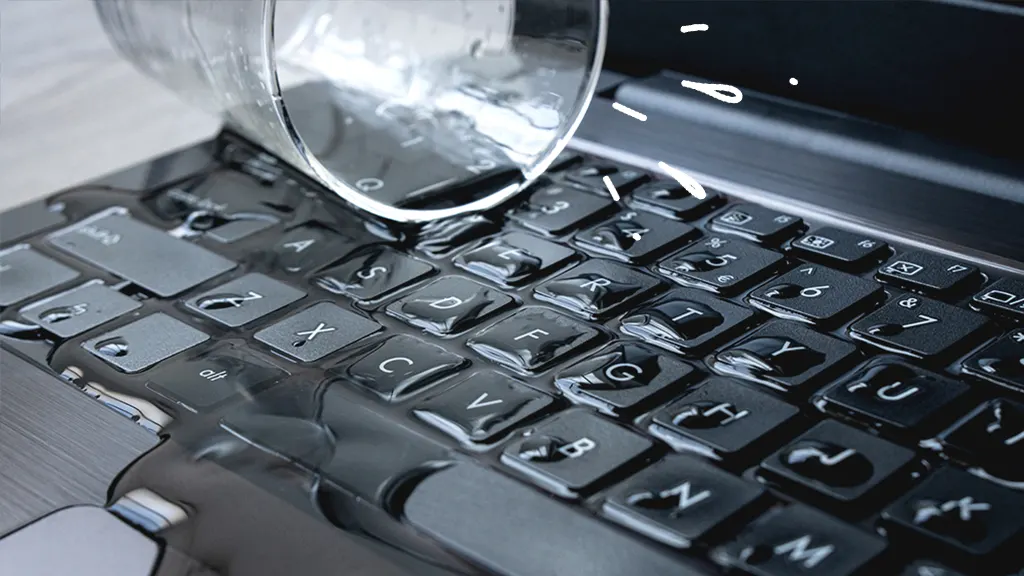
x=55 y=315
x=114 y=347
x=220 y=301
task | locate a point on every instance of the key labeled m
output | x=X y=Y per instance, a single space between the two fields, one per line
x=799 y=551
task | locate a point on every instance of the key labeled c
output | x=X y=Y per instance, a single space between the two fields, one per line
x=383 y=366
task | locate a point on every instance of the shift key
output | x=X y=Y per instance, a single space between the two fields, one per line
x=147 y=256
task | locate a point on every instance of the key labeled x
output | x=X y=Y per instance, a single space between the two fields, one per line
x=320 y=329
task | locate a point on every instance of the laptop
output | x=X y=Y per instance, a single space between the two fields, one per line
x=817 y=368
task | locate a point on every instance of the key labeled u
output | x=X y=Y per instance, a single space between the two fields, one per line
x=890 y=394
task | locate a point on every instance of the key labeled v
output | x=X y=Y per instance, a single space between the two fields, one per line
x=482 y=402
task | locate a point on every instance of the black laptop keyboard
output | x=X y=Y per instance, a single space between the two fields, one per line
x=702 y=385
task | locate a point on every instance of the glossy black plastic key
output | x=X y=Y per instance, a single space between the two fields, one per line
x=450 y=305
x=514 y=258
x=721 y=265
x=1004 y=298
x=308 y=248
x=400 y=367
x=757 y=224
x=592 y=176
x=688 y=321
x=441 y=237
x=990 y=436
x=596 y=288
x=373 y=273
x=818 y=295
x=533 y=339
x=1001 y=362
x=668 y=198
x=919 y=327
x=557 y=208
x=636 y=237
x=929 y=274
x=841 y=249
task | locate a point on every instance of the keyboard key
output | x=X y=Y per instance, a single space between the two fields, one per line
x=722 y=266
x=372 y=274
x=928 y=568
x=757 y=224
x=79 y=310
x=26 y=220
x=483 y=408
x=669 y=199
x=222 y=192
x=784 y=356
x=688 y=321
x=681 y=500
x=623 y=377
x=597 y=288
x=895 y=396
x=244 y=300
x=730 y=419
x=797 y=540
x=953 y=512
x=834 y=462
x=636 y=237
x=573 y=451
x=450 y=305
x=308 y=248
x=918 y=327
x=533 y=339
x=990 y=436
x=929 y=274
x=556 y=209
x=592 y=176
x=439 y=238
x=240 y=229
x=1001 y=362
x=317 y=331
x=509 y=519
x=25 y=273
x=141 y=344
x=400 y=367
x=201 y=383
x=817 y=295
x=841 y=249
x=514 y=258
x=1005 y=298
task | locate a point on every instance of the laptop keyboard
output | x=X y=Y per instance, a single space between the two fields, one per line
x=662 y=386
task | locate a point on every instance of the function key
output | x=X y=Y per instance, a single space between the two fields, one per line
x=800 y=540
x=681 y=500
x=757 y=224
x=244 y=300
x=1001 y=362
x=79 y=310
x=450 y=305
x=669 y=198
x=597 y=288
x=316 y=332
x=636 y=237
x=514 y=258
x=918 y=327
x=592 y=176
x=400 y=367
x=687 y=321
x=1005 y=298
x=143 y=343
x=307 y=248
x=556 y=209
x=573 y=451
x=991 y=436
x=784 y=356
x=841 y=249
x=533 y=339
x=373 y=273
x=929 y=274
x=818 y=295
x=439 y=238
x=483 y=407
x=722 y=266
x=623 y=377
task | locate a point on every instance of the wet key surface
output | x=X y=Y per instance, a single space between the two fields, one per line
x=920 y=327
x=990 y=436
x=79 y=310
x=25 y=273
x=401 y=366
x=316 y=332
x=592 y=176
x=757 y=224
x=244 y=300
x=687 y=321
x=636 y=237
x=533 y=338
x=596 y=288
x=818 y=295
x=308 y=248
x=373 y=273
x=450 y=305
x=514 y=258
x=556 y=209
x=721 y=265
x=1001 y=362
x=668 y=198
x=141 y=344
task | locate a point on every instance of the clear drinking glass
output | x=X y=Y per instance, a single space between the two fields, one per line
x=415 y=109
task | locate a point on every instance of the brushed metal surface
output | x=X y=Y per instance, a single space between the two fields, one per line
x=58 y=447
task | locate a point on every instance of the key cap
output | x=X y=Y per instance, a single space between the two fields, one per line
x=139 y=253
x=308 y=248
x=483 y=408
x=556 y=209
x=514 y=259
x=841 y=249
x=687 y=321
x=918 y=327
x=597 y=288
x=623 y=378
x=222 y=192
x=139 y=345
x=211 y=378
x=785 y=357
x=991 y=436
x=835 y=463
x=1001 y=362
x=441 y=237
x=636 y=237
x=667 y=198
x=25 y=273
x=236 y=230
x=592 y=176
x=798 y=540
x=722 y=266
x=508 y=519
x=533 y=339
x=244 y=300
x=26 y=220
x=757 y=224
x=728 y=418
x=400 y=367
x=929 y=274
x=572 y=452
x=959 y=514
x=1004 y=298
x=372 y=274
x=680 y=500
x=450 y=305
x=79 y=310
x=928 y=568
x=316 y=332
x=818 y=296
x=894 y=396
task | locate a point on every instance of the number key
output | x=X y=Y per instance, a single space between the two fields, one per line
x=592 y=176
x=668 y=198
x=918 y=327
x=721 y=266
x=818 y=295
x=556 y=209
x=636 y=237
x=842 y=249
